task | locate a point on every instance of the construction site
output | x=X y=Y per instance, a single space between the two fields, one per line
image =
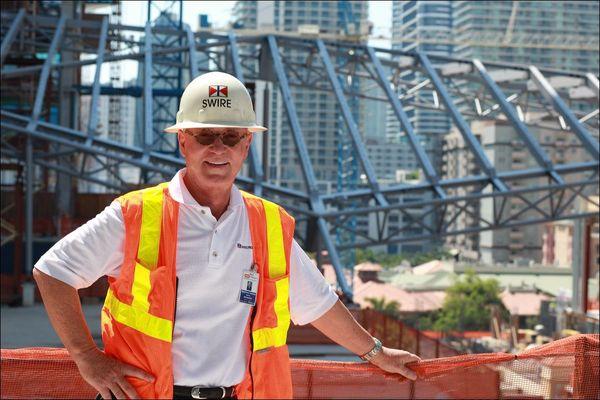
x=491 y=159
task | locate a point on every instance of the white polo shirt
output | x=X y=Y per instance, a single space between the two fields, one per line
x=209 y=345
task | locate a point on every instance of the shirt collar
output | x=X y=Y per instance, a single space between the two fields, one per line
x=180 y=193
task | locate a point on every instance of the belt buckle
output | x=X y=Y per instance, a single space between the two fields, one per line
x=196 y=393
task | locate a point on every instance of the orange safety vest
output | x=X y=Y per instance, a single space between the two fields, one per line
x=139 y=310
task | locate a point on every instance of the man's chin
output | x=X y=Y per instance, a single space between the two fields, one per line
x=217 y=178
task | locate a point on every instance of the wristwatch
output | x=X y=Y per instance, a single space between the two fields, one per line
x=374 y=351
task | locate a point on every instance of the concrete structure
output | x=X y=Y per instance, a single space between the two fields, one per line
x=574 y=244
x=557 y=246
x=459 y=161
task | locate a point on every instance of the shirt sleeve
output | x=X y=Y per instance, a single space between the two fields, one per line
x=310 y=294
x=93 y=250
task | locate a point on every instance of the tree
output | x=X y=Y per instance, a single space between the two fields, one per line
x=467 y=304
x=392 y=260
x=391 y=308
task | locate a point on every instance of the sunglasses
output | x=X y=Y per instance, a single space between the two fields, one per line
x=229 y=139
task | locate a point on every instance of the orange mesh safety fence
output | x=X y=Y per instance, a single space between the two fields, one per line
x=395 y=333
x=567 y=368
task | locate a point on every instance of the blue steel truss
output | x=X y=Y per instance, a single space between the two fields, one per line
x=527 y=99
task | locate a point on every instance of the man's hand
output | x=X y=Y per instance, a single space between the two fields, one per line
x=107 y=375
x=393 y=360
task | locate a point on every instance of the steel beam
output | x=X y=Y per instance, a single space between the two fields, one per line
x=590 y=144
x=392 y=97
x=416 y=238
x=315 y=199
x=448 y=200
x=592 y=82
x=460 y=123
x=536 y=150
x=114 y=150
x=359 y=146
x=11 y=35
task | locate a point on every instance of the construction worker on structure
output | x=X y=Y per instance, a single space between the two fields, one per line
x=203 y=278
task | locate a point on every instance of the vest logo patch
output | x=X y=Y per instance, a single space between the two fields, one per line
x=241 y=246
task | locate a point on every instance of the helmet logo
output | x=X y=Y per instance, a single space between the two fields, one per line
x=217 y=91
x=217 y=97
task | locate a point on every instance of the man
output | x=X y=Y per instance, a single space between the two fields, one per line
x=203 y=278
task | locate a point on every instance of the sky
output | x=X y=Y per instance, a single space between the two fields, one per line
x=219 y=12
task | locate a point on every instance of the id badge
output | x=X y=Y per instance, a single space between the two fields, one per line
x=249 y=286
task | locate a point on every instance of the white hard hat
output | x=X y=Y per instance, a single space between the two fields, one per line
x=215 y=100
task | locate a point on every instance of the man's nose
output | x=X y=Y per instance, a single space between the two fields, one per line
x=217 y=144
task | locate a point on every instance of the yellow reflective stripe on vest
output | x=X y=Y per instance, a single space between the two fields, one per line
x=277 y=261
x=151 y=325
x=140 y=289
x=275 y=337
x=152 y=206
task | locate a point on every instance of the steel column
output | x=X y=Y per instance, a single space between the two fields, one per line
x=314 y=197
x=428 y=169
x=290 y=107
x=590 y=144
x=35 y=115
x=255 y=164
x=534 y=147
x=11 y=35
x=93 y=121
x=460 y=123
x=359 y=146
x=192 y=52
x=148 y=125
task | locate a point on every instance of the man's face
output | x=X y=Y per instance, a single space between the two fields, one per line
x=214 y=155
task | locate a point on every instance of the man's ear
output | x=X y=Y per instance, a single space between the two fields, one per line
x=249 y=142
x=181 y=137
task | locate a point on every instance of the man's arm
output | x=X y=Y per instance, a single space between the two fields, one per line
x=64 y=310
x=339 y=325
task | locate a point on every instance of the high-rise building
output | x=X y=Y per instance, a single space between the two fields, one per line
x=412 y=20
x=318 y=113
x=562 y=24
x=387 y=159
x=475 y=24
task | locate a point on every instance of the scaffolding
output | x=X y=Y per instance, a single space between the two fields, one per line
x=41 y=137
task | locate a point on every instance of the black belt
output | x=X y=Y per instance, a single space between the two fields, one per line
x=197 y=392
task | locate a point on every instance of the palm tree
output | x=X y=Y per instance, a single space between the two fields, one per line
x=391 y=308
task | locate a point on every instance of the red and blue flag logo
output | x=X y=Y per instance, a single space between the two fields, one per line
x=217 y=91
